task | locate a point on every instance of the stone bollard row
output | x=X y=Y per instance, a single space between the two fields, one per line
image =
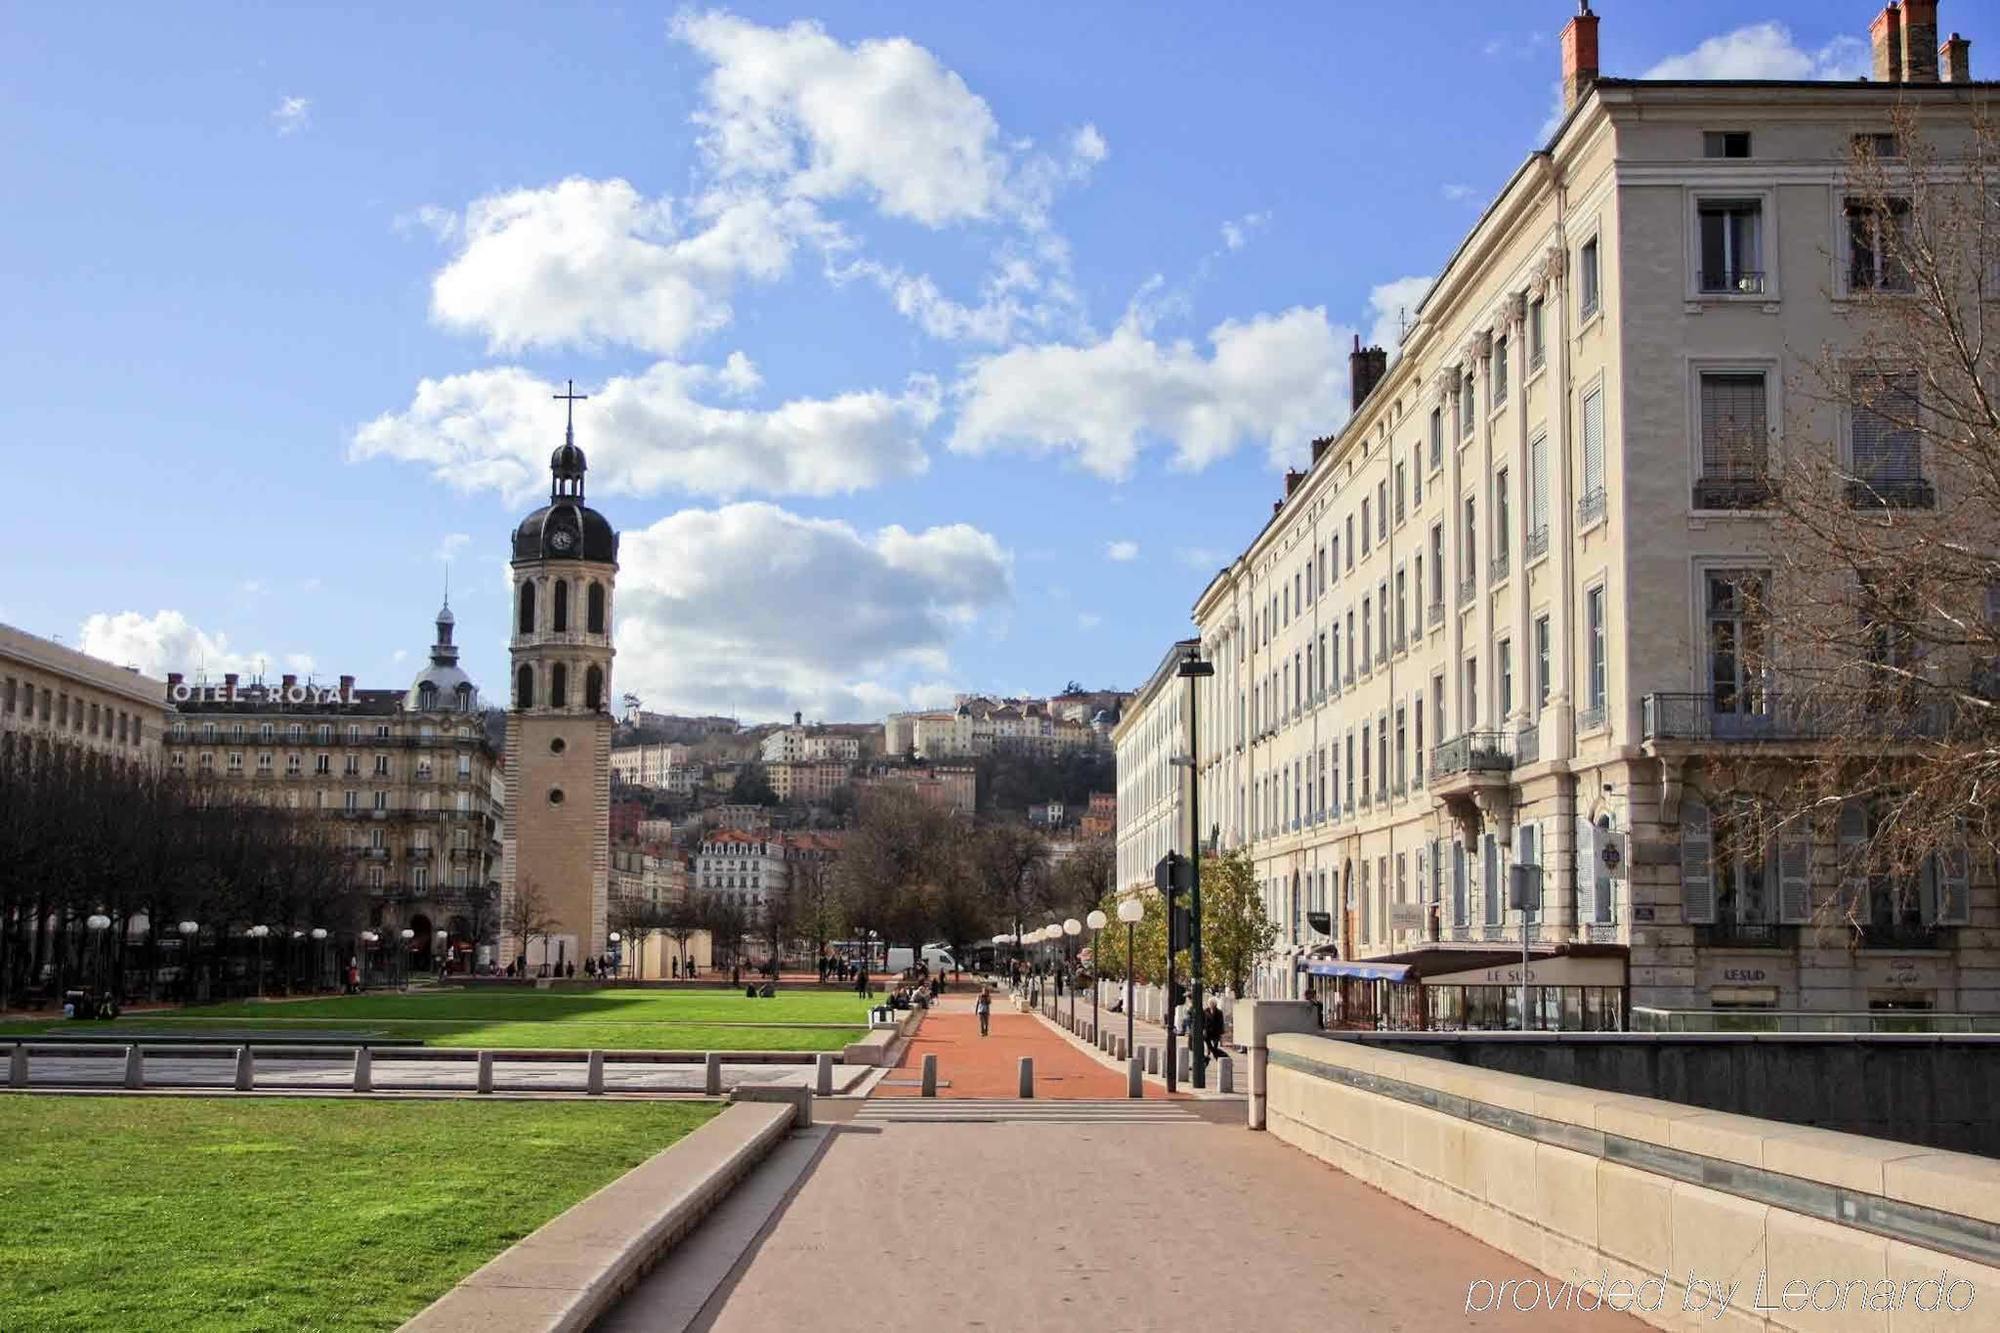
x=1185 y=1065
x=823 y=1074
x=1135 y=1081
x=1153 y=1060
x=246 y=1070
x=1225 y=1075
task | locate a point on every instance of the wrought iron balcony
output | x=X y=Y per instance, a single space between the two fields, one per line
x=1590 y=719
x=1494 y=931
x=1472 y=752
x=1740 y=935
x=1468 y=588
x=1528 y=745
x=1497 y=570
x=1766 y=715
x=1601 y=932
x=1909 y=493
x=1590 y=508
x=1900 y=935
x=1732 y=492
x=1436 y=616
x=1537 y=545
x=1732 y=282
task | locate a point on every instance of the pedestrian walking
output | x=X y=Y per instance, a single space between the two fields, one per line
x=983 y=1006
x=1211 y=1028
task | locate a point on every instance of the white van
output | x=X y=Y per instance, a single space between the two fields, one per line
x=935 y=958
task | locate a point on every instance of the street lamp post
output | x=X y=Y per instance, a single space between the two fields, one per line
x=1072 y=928
x=616 y=959
x=369 y=939
x=188 y=930
x=1053 y=933
x=1095 y=921
x=403 y=957
x=1193 y=667
x=319 y=957
x=441 y=951
x=258 y=933
x=1130 y=911
x=98 y=923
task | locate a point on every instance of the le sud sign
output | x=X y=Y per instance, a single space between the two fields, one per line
x=229 y=692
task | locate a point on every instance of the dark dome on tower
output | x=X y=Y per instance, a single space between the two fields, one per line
x=566 y=528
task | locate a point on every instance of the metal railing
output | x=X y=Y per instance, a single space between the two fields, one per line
x=1739 y=935
x=1472 y=752
x=1601 y=932
x=1901 y=935
x=1590 y=508
x=1537 y=544
x=1767 y=715
x=1647 y=1019
x=1892 y=494
x=1739 y=281
x=1528 y=744
x=1436 y=616
x=1497 y=569
x=1468 y=588
x=1753 y=492
x=1590 y=719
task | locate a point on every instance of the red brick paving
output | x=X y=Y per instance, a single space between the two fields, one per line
x=972 y=1066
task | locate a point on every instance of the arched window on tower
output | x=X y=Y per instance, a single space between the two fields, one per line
x=595 y=621
x=527 y=620
x=559 y=616
x=593 y=687
x=464 y=697
x=427 y=697
x=558 y=684
x=524 y=687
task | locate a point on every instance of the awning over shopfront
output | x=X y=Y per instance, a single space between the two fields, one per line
x=1334 y=967
x=1563 y=970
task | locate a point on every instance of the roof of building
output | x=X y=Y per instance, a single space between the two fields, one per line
x=51 y=656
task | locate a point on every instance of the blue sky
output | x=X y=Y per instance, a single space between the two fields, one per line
x=932 y=347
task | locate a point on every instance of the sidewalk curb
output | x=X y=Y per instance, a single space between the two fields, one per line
x=565 y=1275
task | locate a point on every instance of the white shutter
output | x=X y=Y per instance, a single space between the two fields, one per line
x=1457 y=882
x=1529 y=855
x=1585 y=864
x=1593 y=441
x=1489 y=879
x=1697 y=870
x=1853 y=831
x=1538 y=484
x=1954 y=877
x=1795 y=875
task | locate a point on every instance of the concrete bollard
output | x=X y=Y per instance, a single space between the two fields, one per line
x=135 y=1067
x=823 y=1074
x=1185 y=1065
x=930 y=1076
x=1135 y=1081
x=485 y=1083
x=17 y=1066
x=364 y=1069
x=593 y=1075
x=1027 y=1076
x=711 y=1082
x=246 y=1069
x=1225 y=1075
x=1153 y=1060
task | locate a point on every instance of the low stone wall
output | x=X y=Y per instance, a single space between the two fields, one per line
x=1679 y=1203
x=1938 y=1090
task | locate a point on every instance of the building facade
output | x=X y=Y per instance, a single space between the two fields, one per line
x=800 y=743
x=557 y=845
x=409 y=774
x=1151 y=797
x=654 y=765
x=1498 y=619
x=54 y=700
x=809 y=781
x=952 y=787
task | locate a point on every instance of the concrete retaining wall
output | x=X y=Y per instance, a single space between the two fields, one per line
x=1595 y=1187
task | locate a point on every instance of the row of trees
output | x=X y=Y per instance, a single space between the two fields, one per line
x=1236 y=930
x=83 y=836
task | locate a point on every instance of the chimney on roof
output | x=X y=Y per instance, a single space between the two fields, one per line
x=1292 y=479
x=1885 y=36
x=1579 y=52
x=1920 y=42
x=1955 y=56
x=1320 y=446
x=1365 y=368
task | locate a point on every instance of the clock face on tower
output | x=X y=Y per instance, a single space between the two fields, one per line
x=561 y=540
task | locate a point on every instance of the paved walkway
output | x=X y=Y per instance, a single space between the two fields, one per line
x=970 y=1065
x=1103 y=1225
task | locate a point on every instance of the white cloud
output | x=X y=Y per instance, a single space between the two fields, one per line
x=1121 y=551
x=1200 y=557
x=1391 y=306
x=1765 y=51
x=590 y=262
x=1087 y=146
x=292 y=114
x=441 y=223
x=650 y=433
x=451 y=544
x=1088 y=620
x=165 y=641
x=1274 y=380
x=299 y=663
x=1456 y=193
x=711 y=604
x=1236 y=232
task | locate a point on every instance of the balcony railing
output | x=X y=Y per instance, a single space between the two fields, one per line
x=1468 y=588
x=1528 y=745
x=1900 y=935
x=1590 y=508
x=1590 y=719
x=1537 y=545
x=1497 y=570
x=1492 y=931
x=1732 y=493
x=1900 y=494
x=1732 y=281
x=1739 y=935
x=1472 y=752
x=1601 y=932
x=1766 y=715
x=1436 y=616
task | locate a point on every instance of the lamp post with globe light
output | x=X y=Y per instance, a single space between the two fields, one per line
x=258 y=933
x=441 y=951
x=188 y=930
x=616 y=953
x=98 y=923
x=1071 y=928
x=1096 y=921
x=1131 y=911
x=369 y=939
x=403 y=956
x=319 y=957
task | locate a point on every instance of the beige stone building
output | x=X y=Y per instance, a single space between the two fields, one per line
x=55 y=699
x=1495 y=622
x=949 y=786
x=657 y=765
x=409 y=775
x=809 y=781
x=1152 y=788
x=557 y=844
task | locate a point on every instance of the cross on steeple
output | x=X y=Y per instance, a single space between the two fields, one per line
x=572 y=397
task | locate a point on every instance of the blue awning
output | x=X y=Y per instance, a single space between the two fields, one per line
x=1334 y=967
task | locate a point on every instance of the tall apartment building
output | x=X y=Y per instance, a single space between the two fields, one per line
x=654 y=765
x=409 y=773
x=1152 y=789
x=800 y=743
x=1499 y=618
x=55 y=699
x=978 y=725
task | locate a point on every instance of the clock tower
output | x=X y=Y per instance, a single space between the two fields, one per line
x=555 y=852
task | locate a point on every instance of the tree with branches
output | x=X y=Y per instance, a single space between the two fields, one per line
x=526 y=917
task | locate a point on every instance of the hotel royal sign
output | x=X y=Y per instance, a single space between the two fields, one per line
x=229 y=692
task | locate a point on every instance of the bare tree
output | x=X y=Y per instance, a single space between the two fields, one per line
x=1866 y=658
x=525 y=915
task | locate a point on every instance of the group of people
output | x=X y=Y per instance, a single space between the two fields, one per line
x=600 y=966
x=677 y=969
x=832 y=967
x=1212 y=1024
x=918 y=987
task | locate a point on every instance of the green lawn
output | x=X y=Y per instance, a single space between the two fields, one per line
x=254 y=1213
x=581 y=1020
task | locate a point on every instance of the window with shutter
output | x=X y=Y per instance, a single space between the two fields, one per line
x=1852 y=831
x=1795 y=875
x=1697 y=872
x=1735 y=441
x=1529 y=839
x=1883 y=426
x=1538 y=495
x=1489 y=878
x=1458 y=904
x=1954 y=876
